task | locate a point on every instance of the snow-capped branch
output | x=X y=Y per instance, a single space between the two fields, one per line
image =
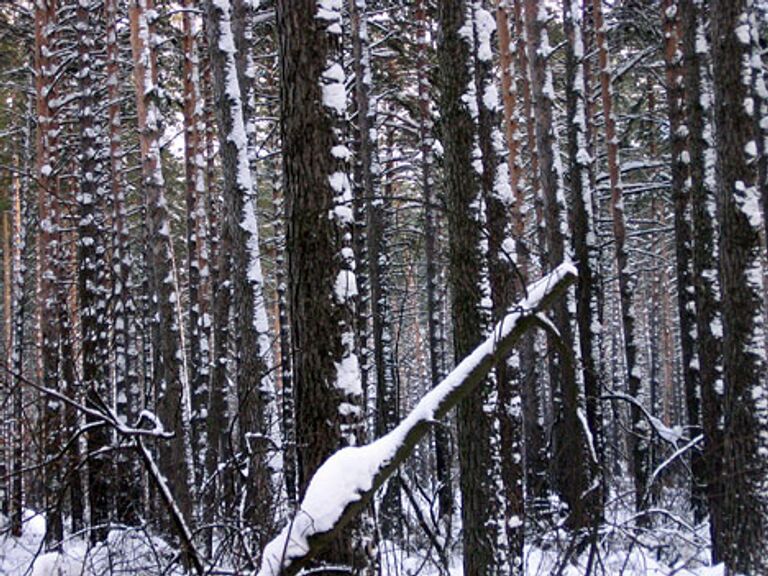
x=344 y=485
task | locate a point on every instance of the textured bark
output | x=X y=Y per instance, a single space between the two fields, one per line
x=515 y=269
x=443 y=455
x=585 y=247
x=286 y=370
x=376 y=239
x=744 y=531
x=709 y=343
x=482 y=534
x=168 y=376
x=194 y=194
x=681 y=194
x=639 y=439
x=21 y=218
x=48 y=264
x=241 y=228
x=128 y=485
x=6 y=433
x=319 y=217
x=536 y=456
x=91 y=280
x=570 y=452
x=220 y=491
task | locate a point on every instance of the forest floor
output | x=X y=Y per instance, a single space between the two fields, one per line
x=135 y=552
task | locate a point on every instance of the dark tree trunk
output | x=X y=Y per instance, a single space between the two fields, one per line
x=585 y=245
x=241 y=229
x=49 y=269
x=426 y=140
x=507 y=235
x=570 y=451
x=744 y=532
x=640 y=438
x=168 y=371
x=319 y=215
x=91 y=279
x=536 y=456
x=469 y=288
x=708 y=321
x=681 y=194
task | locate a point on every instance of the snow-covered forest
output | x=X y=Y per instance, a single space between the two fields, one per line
x=393 y=287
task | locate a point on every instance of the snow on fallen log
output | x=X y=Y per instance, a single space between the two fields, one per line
x=346 y=482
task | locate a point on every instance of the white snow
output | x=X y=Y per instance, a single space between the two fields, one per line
x=351 y=471
x=334 y=95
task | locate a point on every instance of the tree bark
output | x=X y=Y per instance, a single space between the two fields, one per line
x=91 y=282
x=570 y=451
x=639 y=439
x=48 y=264
x=744 y=530
x=470 y=291
x=319 y=214
x=169 y=379
x=585 y=247
x=698 y=107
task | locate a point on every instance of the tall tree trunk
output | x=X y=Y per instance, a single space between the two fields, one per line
x=483 y=534
x=241 y=226
x=744 y=530
x=681 y=194
x=585 y=245
x=698 y=107
x=377 y=249
x=169 y=379
x=194 y=126
x=91 y=279
x=319 y=215
x=511 y=255
x=639 y=438
x=286 y=372
x=434 y=336
x=536 y=457
x=21 y=218
x=570 y=451
x=48 y=265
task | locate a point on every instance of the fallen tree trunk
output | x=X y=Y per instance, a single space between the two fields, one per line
x=345 y=484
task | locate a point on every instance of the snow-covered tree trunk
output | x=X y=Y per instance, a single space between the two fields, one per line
x=508 y=238
x=7 y=338
x=681 y=193
x=48 y=265
x=254 y=385
x=287 y=407
x=21 y=212
x=483 y=530
x=356 y=473
x=536 y=457
x=128 y=485
x=434 y=334
x=319 y=215
x=169 y=379
x=639 y=438
x=744 y=522
x=92 y=276
x=194 y=166
x=698 y=108
x=377 y=207
x=219 y=450
x=585 y=245
x=571 y=451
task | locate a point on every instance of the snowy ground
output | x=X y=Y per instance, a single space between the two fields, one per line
x=135 y=553
x=126 y=552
